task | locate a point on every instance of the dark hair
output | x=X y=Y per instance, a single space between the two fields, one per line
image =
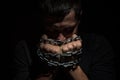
x=59 y=8
x=55 y=9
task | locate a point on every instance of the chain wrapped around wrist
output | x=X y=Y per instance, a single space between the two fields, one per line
x=68 y=59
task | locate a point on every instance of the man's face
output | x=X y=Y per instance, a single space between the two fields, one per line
x=63 y=29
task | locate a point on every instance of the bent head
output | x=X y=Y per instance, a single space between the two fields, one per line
x=60 y=17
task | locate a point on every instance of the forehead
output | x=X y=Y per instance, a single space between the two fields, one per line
x=69 y=18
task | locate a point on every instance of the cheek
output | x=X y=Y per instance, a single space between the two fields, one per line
x=69 y=35
x=52 y=34
x=75 y=30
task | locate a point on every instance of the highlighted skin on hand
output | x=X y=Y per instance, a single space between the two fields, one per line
x=60 y=49
x=71 y=46
x=50 y=48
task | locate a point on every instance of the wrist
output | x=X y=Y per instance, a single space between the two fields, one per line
x=78 y=74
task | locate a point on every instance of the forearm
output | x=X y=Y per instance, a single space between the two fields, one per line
x=43 y=78
x=78 y=74
x=49 y=77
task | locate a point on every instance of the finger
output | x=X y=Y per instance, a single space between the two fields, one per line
x=74 y=36
x=70 y=46
x=50 y=48
x=47 y=47
x=64 y=48
x=56 y=49
x=41 y=45
x=78 y=44
x=74 y=44
x=44 y=36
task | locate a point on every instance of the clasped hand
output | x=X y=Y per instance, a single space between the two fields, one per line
x=60 y=49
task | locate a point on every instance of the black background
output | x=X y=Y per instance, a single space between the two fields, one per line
x=100 y=17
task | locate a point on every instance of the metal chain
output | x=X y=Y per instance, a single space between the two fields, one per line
x=58 y=42
x=66 y=59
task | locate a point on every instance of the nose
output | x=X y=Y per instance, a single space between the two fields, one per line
x=61 y=37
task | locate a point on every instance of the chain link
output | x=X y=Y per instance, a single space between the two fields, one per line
x=66 y=59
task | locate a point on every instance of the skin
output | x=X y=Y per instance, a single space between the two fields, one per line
x=69 y=20
x=64 y=48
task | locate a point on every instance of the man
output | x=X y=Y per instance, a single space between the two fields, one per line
x=60 y=22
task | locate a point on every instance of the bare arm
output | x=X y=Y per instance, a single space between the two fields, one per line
x=78 y=74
